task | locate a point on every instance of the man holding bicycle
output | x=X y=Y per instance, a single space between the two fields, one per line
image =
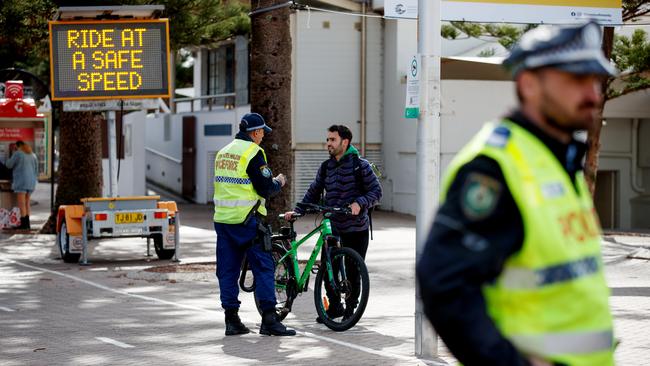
x=347 y=181
x=242 y=183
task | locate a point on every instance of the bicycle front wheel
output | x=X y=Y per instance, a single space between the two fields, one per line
x=285 y=282
x=341 y=300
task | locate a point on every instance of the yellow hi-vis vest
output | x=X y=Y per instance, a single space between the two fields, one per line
x=551 y=299
x=234 y=195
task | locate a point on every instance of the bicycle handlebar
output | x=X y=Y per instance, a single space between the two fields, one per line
x=314 y=208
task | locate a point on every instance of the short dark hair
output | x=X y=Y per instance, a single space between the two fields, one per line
x=343 y=131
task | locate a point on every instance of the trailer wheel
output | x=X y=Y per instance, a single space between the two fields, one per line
x=64 y=246
x=158 y=246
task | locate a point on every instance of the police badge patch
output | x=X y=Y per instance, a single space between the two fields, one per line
x=479 y=196
x=266 y=172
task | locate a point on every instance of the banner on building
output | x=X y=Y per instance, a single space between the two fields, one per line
x=605 y=12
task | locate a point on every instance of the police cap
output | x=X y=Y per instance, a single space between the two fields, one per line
x=575 y=49
x=253 y=121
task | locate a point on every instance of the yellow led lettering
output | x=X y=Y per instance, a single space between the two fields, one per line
x=140 y=31
x=111 y=60
x=73 y=35
x=122 y=57
x=127 y=35
x=94 y=38
x=135 y=80
x=122 y=78
x=135 y=60
x=95 y=78
x=83 y=80
x=98 y=56
x=107 y=38
x=84 y=38
x=109 y=81
x=78 y=58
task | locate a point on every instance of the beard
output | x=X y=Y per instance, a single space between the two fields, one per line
x=561 y=118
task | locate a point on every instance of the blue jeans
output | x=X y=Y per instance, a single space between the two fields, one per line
x=233 y=241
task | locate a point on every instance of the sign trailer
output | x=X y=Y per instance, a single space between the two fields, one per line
x=95 y=65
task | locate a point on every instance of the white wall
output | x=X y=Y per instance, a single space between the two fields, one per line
x=131 y=179
x=327 y=76
x=466 y=105
x=164 y=157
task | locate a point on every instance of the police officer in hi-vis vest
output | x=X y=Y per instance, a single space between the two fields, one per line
x=242 y=183
x=512 y=272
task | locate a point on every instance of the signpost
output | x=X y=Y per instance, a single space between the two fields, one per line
x=413 y=89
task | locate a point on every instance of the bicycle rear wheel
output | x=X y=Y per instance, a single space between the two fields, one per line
x=340 y=305
x=285 y=281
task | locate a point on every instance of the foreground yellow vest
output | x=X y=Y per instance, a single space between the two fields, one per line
x=551 y=299
x=234 y=195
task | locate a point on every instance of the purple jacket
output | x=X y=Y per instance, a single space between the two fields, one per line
x=341 y=189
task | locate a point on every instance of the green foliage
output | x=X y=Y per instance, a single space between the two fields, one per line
x=507 y=35
x=632 y=57
x=632 y=53
x=24 y=35
x=202 y=22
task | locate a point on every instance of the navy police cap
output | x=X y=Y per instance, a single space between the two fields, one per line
x=252 y=122
x=575 y=49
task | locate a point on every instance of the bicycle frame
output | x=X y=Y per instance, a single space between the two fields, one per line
x=325 y=230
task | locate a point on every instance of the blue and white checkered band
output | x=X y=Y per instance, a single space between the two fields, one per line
x=231 y=180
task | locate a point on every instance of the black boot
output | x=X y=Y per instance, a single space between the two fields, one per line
x=271 y=325
x=29 y=226
x=24 y=223
x=234 y=326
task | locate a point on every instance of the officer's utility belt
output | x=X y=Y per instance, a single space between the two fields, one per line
x=264 y=231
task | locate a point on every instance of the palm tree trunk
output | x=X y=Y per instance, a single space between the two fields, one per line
x=270 y=94
x=80 y=162
x=593 y=135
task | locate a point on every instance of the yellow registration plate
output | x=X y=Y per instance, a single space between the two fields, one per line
x=129 y=218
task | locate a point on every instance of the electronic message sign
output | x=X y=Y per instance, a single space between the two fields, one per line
x=109 y=59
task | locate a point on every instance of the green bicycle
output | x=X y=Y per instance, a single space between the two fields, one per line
x=341 y=287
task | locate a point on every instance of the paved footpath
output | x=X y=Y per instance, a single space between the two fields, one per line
x=114 y=312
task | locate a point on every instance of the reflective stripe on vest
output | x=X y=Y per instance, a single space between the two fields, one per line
x=238 y=203
x=523 y=278
x=558 y=344
x=234 y=194
x=551 y=299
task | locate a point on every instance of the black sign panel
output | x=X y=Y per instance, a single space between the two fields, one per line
x=109 y=59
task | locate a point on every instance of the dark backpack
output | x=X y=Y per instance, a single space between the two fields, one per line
x=358 y=177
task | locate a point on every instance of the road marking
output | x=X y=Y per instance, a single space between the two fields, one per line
x=6 y=309
x=196 y=308
x=114 y=342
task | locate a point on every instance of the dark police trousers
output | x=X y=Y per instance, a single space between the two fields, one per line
x=233 y=241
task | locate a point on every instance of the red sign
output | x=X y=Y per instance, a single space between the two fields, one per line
x=15 y=134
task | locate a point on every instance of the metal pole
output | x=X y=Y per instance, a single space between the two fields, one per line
x=428 y=153
x=177 y=238
x=363 y=91
x=84 y=236
x=112 y=153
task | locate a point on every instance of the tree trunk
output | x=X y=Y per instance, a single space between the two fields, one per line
x=593 y=135
x=270 y=94
x=80 y=162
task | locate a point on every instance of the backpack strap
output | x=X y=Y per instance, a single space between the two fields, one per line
x=358 y=175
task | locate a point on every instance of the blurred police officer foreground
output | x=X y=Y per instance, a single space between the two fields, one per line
x=512 y=272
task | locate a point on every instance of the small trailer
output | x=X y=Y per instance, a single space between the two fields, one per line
x=117 y=217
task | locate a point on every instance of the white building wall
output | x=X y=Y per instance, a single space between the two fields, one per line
x=327 y=76
x=164 y=156
x=131 y=179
